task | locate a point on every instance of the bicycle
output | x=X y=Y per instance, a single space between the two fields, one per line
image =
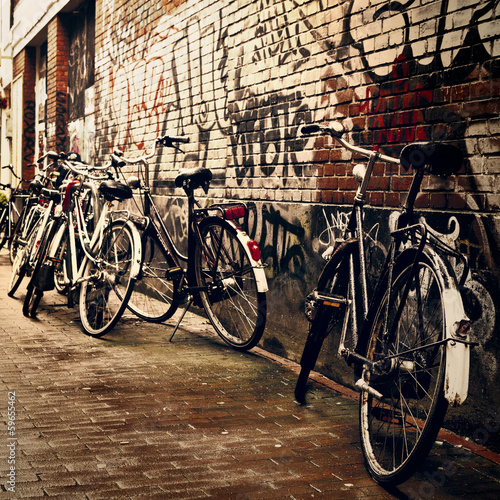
x=409 y=345
x=222 y=271
x=101 y=259
x=13 y=213
x=27 y=237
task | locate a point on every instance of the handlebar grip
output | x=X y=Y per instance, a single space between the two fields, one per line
x=116 y=160
x=167 y=140
x=310 y=129
x=179 y=138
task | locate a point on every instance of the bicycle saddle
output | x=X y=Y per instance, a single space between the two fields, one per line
x=114 y=190
x=441 y=159
x=194 y=178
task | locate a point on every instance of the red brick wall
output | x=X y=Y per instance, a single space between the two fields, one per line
x=57 y=85
x=242 y=78
x=25 y=64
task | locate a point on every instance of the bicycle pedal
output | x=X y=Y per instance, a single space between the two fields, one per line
x=332 y=300
x=173 y=272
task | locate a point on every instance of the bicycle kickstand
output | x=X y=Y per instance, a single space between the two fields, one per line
x=191 y=300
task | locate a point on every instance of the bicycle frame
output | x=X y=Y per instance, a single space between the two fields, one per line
x=75 y=271
x=195 y=240
x=456 y=339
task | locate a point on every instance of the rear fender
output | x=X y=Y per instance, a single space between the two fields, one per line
x=457 y=353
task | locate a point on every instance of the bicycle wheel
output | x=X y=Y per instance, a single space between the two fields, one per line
x=29 y=218
x=42 y=278
x=109 y=280
x=326 y=309
x=23 y=260
x=398 y=431
x=153 y=295
x=235 y=307
x=60 y=266
x=4 y=226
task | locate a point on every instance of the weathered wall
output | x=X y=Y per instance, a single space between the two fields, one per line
x=241 y=78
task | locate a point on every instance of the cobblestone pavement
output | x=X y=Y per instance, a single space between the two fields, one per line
x=135 y=416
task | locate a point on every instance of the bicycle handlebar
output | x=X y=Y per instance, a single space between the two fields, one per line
x=86 y=170
x=167 y=140
x=11 y=168
x=336 y=131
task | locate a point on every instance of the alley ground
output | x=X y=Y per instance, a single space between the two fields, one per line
x=135 y=416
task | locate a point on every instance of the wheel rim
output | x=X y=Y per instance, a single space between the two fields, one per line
x=153 y=293
x=104 y=294
x=399 y=429
x=231 y=301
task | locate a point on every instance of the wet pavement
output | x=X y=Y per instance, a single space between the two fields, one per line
x=132 y=415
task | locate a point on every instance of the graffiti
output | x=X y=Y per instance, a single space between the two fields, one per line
x=276 y=39
x=81 y=58
x=29 y=132
x=281 y=243
x=265 y=135
x=61 y=121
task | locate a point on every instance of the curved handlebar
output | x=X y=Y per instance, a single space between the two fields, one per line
x=85 y=170
x=167 y=140
x=336 y=131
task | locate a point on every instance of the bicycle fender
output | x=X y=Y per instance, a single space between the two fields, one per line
x=457 y=353
x=135 y=264
x=260 y=275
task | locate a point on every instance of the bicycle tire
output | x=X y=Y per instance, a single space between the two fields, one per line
x=60 y=266
x=32 y=300
x=153 y=297
x=22 y=260
x=398 y=431
x=33 y=294
x=27 y=220
x=229 y=292
x=109 y=280
x=4 y=226
x=333 y=281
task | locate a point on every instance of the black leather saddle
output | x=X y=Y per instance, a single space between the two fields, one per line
x=114 y=190
x=440 y=159
x=194 y=178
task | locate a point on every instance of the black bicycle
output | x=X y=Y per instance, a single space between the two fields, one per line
x=14 y=211
x=410 y=344
x=222 y=271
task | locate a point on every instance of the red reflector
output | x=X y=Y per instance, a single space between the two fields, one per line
x=254 y=250
x=234 y=212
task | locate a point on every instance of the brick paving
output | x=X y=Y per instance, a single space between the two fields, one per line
x=134 y=416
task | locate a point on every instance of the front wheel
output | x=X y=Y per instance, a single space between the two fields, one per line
x=4 y=225
x=229 y=292
x=23 y=261
x=326 y=308
x=109 y=280
x=398 y=431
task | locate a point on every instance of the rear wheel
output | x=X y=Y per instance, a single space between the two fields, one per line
x=235 y=307
x=398 y=430
x=109 y=281
x=153 y=295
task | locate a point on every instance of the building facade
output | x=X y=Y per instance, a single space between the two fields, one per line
x=240 y=78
